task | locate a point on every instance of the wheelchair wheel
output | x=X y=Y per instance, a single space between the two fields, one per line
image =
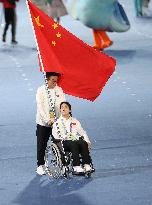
x=88 y=174
x=53 y=161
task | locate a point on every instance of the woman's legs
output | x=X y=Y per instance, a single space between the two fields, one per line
x=76 y=148
x=84 y=151
x=72 y=147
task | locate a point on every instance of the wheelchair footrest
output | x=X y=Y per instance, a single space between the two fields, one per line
x=78 y=173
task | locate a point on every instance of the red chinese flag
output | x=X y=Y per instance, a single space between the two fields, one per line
x=84 y=70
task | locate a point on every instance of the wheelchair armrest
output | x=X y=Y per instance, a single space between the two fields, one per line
x=55 y=140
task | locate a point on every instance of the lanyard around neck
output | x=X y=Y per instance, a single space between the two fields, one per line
x=54 y=101
x=64 y=127
x=50 y=99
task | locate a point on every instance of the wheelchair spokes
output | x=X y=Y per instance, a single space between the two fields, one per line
x=53 y=161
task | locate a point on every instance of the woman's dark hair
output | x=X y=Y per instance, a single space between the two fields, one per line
x=49 y=74
x=68 y=104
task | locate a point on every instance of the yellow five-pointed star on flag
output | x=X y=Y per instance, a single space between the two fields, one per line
x=53 y=43
x=38 y=22
x=55 y=25
x=58 y=35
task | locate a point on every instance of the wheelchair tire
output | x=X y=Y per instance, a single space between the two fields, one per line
x=53 y=161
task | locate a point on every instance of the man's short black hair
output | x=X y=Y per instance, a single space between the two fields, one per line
x=49 y=74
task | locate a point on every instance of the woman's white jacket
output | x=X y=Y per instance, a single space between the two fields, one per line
x=62 y=128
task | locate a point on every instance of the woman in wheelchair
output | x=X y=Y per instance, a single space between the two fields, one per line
x=74 y=139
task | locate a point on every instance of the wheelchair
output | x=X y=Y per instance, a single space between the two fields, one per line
x=54 y=158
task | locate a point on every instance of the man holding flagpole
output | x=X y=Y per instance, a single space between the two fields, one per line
x=45 y=115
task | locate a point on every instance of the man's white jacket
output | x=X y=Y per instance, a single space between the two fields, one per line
x=43 y=108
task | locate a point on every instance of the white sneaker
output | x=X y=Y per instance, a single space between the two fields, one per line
x=40 y=170
x=78 y=169
x=87 y=168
